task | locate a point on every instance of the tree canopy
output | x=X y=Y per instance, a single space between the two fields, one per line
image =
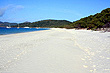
x=46 y=23
x=93 y=21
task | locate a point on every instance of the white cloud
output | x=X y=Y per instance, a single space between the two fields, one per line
x=2 y=12
x=10 y=7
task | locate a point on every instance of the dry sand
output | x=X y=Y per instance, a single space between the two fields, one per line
x=55 y=51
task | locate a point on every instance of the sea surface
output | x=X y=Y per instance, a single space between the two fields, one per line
x=5 y=31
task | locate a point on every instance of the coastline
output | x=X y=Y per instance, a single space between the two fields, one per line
x=6 y=31
x=55 y=51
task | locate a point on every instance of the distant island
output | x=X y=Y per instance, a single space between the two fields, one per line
x=45 y=23
x=94 y=22
x=4 y=24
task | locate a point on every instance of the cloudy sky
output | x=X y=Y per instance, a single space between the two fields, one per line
x=35 y=10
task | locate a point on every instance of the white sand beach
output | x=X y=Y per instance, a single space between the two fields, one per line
x=55 y=51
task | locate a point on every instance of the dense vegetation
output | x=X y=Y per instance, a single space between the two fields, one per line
x=93 y=21
x=45 y=23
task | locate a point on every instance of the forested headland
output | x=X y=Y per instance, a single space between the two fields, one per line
x=98 y=20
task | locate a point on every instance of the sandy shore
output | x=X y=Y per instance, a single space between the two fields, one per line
x=55 y=51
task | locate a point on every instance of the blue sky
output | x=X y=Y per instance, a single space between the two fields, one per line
x=35 y=10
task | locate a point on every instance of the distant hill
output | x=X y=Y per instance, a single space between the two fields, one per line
x=45 y=23
x=4 y=24
x=94 y=21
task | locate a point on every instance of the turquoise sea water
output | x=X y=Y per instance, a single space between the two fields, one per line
x=4 y=31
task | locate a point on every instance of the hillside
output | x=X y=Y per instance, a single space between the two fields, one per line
x=98 y=20
x=45 y=23
x=4 y=24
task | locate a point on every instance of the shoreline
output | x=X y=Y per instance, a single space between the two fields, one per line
x=23 y=32
x=101 y=31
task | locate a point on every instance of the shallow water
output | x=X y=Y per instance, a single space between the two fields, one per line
x=4 y=31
